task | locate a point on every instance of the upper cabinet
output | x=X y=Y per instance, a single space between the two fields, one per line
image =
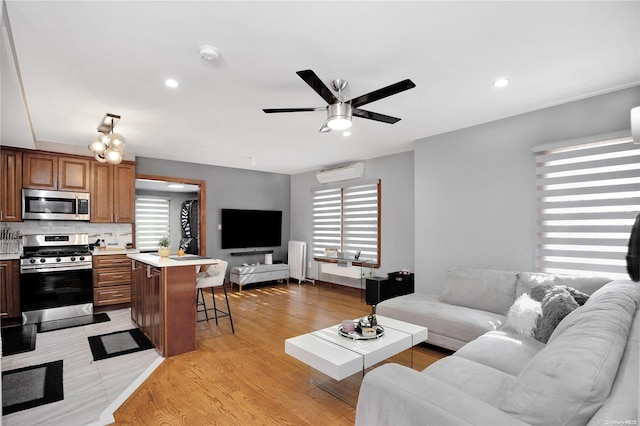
x=74 y=174
x=11 y=185
x=113 y=192
x=53 y=172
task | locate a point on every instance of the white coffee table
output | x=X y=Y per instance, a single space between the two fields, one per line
x=339 y=357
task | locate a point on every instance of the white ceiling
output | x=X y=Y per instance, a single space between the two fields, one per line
x=81 y=59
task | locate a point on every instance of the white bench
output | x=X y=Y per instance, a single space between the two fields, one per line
x=250 y=274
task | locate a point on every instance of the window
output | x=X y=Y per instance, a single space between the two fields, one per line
x=587 y=199
x=152 y=221
x=348 y=219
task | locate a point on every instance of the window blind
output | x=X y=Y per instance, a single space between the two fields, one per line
x=348 y=219
x=587 y=199
x=152 y=221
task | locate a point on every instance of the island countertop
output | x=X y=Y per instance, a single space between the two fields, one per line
x=173 y=260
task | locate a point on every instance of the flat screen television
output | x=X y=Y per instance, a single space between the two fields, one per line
x=251 y=228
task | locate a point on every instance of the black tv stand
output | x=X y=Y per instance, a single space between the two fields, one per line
x=250 y=253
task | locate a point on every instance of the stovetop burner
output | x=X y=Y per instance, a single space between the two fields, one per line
x=47 y=253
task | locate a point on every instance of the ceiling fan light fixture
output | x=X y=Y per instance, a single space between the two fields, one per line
x=339 y=116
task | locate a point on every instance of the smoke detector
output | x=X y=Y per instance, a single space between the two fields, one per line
x=209 y=53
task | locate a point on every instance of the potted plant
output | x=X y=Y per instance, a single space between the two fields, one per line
x=163 y=247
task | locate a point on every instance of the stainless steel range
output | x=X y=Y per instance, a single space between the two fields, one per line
x=55 y=277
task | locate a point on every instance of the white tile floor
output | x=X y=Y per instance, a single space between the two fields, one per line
x=92 y=389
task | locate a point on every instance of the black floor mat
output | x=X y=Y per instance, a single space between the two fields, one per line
x=60 y=324
x=30 y=387
x=118 y=343
x=18 y=339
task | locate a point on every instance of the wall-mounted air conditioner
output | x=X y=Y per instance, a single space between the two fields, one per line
x=335 y=174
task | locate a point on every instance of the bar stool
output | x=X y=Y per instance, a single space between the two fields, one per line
x=213 y=277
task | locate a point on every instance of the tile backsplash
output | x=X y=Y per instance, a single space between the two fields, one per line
x=113 y=234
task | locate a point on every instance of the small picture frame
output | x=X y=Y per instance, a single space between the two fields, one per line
x=331 y=252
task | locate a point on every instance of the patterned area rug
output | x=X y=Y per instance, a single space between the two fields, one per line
x=30 y=387
x=118 y=343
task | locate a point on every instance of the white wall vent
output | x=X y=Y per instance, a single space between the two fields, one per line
x=345 y=172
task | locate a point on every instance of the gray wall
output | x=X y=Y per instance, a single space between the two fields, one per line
x=396 y=172
x=475 y=188
x=231 y=188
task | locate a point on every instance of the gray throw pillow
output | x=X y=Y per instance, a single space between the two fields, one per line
x=556 y=304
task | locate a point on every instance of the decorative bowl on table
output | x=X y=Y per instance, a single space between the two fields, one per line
x=363 y=333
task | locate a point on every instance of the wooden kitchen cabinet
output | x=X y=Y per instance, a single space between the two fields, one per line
x=111 y=279
x=40 y=171
x=163 y=303
x=147 y=303
x=74 y=174
x=10 y=185
x=10 y=289
x=113 y=192
x=55 y=172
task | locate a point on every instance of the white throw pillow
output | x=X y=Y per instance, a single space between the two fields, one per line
x=523 y=315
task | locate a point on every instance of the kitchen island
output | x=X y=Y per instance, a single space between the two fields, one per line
x=163 y=300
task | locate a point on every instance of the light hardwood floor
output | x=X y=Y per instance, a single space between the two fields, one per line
x=247 y=378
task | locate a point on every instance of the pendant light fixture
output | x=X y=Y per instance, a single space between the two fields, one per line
x=109 y=147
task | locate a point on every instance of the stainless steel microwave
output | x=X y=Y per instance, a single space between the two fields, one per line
x=54 y=205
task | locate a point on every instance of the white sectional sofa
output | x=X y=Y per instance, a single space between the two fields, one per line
x=473 y=302
x=586 y=374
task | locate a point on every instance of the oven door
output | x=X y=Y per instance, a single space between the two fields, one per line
x=46 y=290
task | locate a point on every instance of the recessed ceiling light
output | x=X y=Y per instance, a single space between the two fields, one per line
x=501 y=82
x=175 y=185
x=347 y=133
x=170 y=82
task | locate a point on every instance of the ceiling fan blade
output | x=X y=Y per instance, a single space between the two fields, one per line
x=316 y=84
x=272 y=110
x=357 y=112
x=398 y=87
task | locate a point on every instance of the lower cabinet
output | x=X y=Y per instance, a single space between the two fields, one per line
x=111 y=279
x=163 y=306
x=10 y=288
x=146 y=302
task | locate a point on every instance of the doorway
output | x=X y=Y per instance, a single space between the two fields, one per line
x=172 y=187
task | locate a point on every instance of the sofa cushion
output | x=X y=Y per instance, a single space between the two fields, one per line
x=502 y=349
x=523 y=315
x=528 y=280
x=488 y=290
x=622 y=402
x=440 y=318
x=568 y=380
x=478 y=380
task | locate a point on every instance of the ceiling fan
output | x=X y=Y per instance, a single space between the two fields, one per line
x=339 y=111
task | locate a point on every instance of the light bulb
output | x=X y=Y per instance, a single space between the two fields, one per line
x=98 y=147
x=116 y=141
x=339 y=123
x=113 y=156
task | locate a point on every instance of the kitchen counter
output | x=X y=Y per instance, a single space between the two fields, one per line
x=163 y=300
x=100 y=252
x=172 y=261
x=9 y=256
